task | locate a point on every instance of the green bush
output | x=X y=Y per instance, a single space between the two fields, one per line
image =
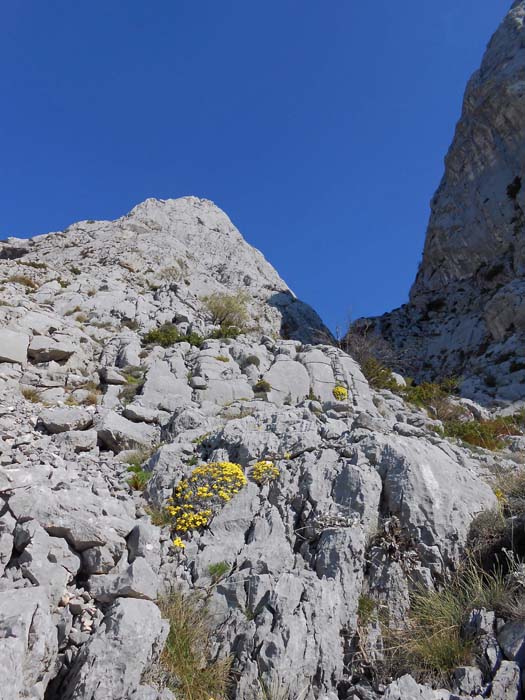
x=168 y=335
x=262 y=387
x=427 y=394
x=225 y=332
x=487 y=433
x=227 y=310
x=218 y=571
x=378 y=376
x=139 y=477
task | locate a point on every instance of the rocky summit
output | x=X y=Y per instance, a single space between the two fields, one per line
x=466 y=313
x=203 y=497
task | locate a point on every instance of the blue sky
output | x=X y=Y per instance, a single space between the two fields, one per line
x=319 y=126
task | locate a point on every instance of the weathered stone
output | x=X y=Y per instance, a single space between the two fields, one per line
x=118 y=433
x=60 y=420
x=13 y=346
x=111 y=663
x=511 y=639
x=28 y=643
x=44 y=349
x=137 y=581
x=78 y=440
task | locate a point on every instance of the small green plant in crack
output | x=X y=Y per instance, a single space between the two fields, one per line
x=366 y=609
x=159 y=516
x=222 y=358
x=218 y=571
x=139 y=477
x=200 y=439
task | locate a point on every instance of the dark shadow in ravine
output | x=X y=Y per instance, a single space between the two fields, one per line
x=298 y=320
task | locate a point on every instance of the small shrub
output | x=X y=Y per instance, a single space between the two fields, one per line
x=23 y=280
x=366 y=609
x=377 y=375
x=139 y=477
x=31 y=394
x=487 y=433
x=433 y=643
x=265 y=471
x=75 y=270
x=91 y=399
x=137 y=458
x=165 y=336
x=340 y=393
x=227 y=310
x=71 y=401
x=251 y=360
x=218 y=571
x=200 y=439
x=82 y=318
x=510 y=485
x=222 y=358
x=262 y=387
x=225 y=332
x=159 y=516
x=168 y=335
x=429 y=394
x=185 y=658
x=196 y=499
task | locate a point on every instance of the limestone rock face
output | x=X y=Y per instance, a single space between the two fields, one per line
x=466 y=310
x=154 y=265
x=98 y=427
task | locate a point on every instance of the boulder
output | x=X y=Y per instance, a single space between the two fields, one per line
x=60 y=420
x=117 y=433
x=111 y=663
x=28 y=643
x=137 y=581
x=44 y=349
x=13 y=346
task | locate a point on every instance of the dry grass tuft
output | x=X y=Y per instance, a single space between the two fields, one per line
x=185 y=658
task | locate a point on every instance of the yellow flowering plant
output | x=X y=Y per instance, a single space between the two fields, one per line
x=340 y=393
x=200 y=496
x=264 y=471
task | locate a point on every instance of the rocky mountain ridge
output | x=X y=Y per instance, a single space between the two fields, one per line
x=203 y=504
x=343 y=494
x=465 y=313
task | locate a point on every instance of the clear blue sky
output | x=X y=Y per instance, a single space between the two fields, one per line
x=319 y=126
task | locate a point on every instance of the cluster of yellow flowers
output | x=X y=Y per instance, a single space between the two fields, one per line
x=502 y=498
x=340 y=393
x=196 y=499
x=177 y=542
x=265 y=471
